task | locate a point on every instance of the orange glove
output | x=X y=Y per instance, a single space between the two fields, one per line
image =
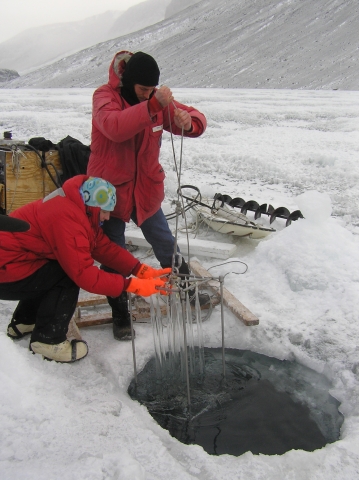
x=145 y=271
x=145 y=287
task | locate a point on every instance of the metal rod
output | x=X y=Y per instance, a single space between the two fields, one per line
x=175 y=253
x=221 y=280
x=183 y=303
x=132 y=338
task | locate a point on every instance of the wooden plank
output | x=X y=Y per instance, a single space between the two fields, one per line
x=104 y=319
x=197 y=246
x=91 y=320
x=138 y=316
x=239 y=310
x=140 y=311
x=145 y=313
x=92 y=300
x=26 y=180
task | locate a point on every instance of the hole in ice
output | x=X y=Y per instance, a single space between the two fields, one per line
x=264 y=405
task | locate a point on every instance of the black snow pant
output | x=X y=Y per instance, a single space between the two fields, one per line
x=48 y=299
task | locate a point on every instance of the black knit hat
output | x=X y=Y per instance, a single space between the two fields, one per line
x=141 y=69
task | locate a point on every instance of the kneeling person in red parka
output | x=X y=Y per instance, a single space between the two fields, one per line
x=45 y=266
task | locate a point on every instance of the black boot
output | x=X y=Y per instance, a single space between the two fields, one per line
x=121 y=317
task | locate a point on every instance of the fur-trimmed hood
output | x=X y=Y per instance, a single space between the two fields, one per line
x=117 y=68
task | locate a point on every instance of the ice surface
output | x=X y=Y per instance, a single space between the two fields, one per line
x=77 y=421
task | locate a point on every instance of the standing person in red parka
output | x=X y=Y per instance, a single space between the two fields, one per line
x=45 y=264
x=128 y=119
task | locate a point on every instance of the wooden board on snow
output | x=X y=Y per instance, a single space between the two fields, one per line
x=106 y=318
x=229 y=300
x=140 y=311
x=197 y=246
x=90 y=301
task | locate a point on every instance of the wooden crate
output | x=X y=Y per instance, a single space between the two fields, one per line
x=26 y=180
x=2 y=198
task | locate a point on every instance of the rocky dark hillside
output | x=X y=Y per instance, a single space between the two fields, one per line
x=7 y=75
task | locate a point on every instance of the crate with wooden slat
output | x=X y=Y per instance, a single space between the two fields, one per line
x=27 y=176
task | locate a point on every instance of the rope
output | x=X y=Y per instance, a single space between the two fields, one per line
x=182 y=209
x=178 y=173
x=227 y=263
x=45 y=165
x=15 y=166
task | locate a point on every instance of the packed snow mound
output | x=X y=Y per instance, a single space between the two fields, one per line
x=231 y=43
x=316 y=207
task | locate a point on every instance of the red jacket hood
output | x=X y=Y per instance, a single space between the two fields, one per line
x=117 y=68
x=72 y=191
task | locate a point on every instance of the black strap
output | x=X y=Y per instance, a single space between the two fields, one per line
x=74 y=350
x=16 y=330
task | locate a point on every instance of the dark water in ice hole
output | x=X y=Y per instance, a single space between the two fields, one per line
x=264 y=405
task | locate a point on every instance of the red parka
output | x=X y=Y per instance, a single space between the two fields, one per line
x=64 y=229
x=126 y=142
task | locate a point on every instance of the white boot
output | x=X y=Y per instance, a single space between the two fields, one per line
x=65 y=352
x=18 y=330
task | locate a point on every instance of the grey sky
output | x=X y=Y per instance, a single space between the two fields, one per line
x=23 y=14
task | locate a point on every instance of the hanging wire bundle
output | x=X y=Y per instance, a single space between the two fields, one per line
x=178 y=334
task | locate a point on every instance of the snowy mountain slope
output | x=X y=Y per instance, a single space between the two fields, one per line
x=139 y=16
x=232 y=43
x=176 y=6
x=38 y=46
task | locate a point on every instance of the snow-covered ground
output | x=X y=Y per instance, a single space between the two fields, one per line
x=297 y=149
